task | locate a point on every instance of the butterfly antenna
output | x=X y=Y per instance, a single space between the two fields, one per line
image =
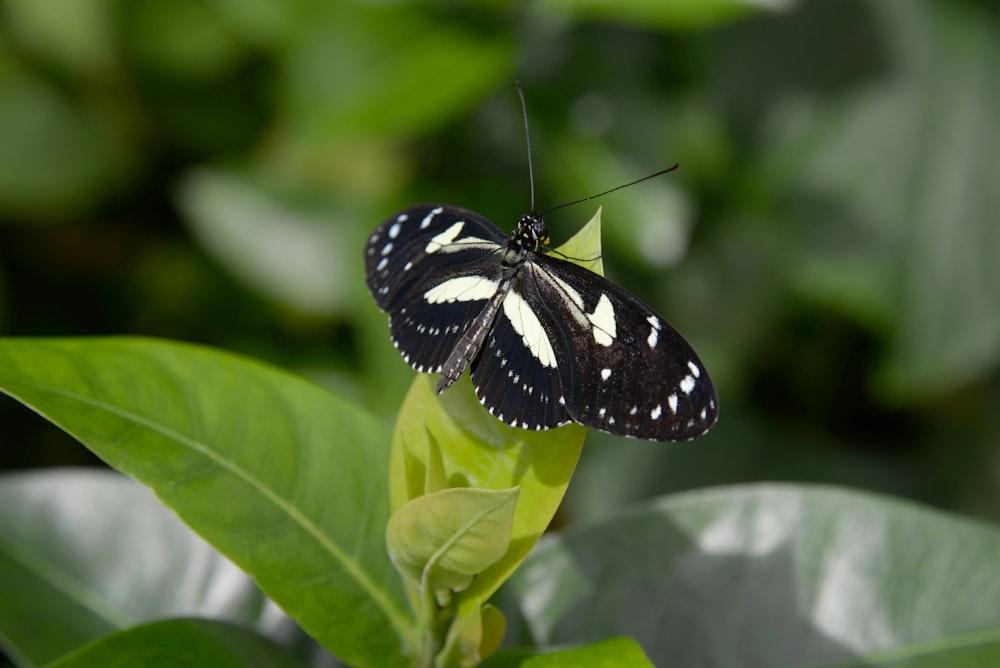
x=527 y=136
x=624 y=185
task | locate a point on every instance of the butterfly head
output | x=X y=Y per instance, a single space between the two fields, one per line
x=531 y=231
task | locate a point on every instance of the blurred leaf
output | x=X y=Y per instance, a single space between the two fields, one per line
x=77 y=35
x=653 y=226
x=972 y=650
x=298 y=259
x=181 y=642
x=282 y=477
x=56 y=155
x=473 y=638
x=493 y=627
x=911 y=164
x=766 y=575
x=613 y=653
x=265 y=22
x=184 y=39
x=393 y=71
x=658 y=14
x=87 y=552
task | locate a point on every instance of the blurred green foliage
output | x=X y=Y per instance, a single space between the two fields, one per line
x=207 y=170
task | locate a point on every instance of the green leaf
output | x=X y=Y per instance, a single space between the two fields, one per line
x=766 y=575
x=296 y=258
x=473 y=638
x=279 y=475
x=365 y=71
x=442 y=540
x=85 y=552
x=612 y=653
x=584 y=247
x=78 y=36
x=179 y=643
x=493 y=626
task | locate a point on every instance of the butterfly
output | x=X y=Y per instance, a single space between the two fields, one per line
x=547 y=342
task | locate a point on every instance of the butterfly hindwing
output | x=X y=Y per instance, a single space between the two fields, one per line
x=439 y=310
x=517 y=374
x=629 y=372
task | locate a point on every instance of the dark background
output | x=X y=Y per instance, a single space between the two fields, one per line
x=208 y=171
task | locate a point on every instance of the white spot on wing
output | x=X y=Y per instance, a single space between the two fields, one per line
x=687 y=384
x=394 y=230
x=425 y=223
x=656 y=412
x=603 y=320
x=672 y=402
x=526 y=323
x=605 y=374
x=461 y=289
x=695 y=371
x=654 y=336
x=443 y=238
x=566 y=288
x=382 y=264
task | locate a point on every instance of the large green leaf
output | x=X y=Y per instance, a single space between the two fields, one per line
x=181 y=643
x=85 y=552
x=767 y=575
x=281 y=476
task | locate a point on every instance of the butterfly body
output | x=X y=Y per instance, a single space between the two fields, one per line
x=547 y=342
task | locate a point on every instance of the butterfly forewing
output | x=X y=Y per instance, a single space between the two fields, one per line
x=432 y=268
x=517 y=374
x=425 y=243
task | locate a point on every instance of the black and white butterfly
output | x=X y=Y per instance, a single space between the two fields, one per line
x=548 y=342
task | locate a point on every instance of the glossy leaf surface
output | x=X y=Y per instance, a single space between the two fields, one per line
x=769 y=575
x=278 y=474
